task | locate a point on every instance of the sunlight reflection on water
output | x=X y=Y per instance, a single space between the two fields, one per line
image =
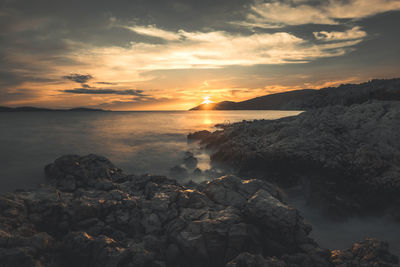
x=137 y=142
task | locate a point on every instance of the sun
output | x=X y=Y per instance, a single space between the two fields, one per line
x=207 y=100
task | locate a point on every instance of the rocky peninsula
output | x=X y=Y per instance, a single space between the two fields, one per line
x=347 y=158
x=91 y=213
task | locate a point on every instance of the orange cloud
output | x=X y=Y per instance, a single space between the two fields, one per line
x=278 y=14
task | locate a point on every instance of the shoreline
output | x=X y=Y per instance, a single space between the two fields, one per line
x=346 y=158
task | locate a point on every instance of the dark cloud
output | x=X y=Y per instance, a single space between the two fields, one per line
x=133 y=92
x=18 y=94
x=79 y=78
x=107 y=83
x=11 y=79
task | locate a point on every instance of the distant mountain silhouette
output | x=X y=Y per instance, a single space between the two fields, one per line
x=87 y=109
x=19 y=109
x=345 y=94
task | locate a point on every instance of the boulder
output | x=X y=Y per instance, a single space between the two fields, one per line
x=246 y=259
x=190 y=162
x=72 y=171
x=178 y=172
x=199 y=136
x=369 y=252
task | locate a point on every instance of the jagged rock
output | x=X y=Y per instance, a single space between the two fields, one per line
x=188 y=154
x=178 y=172
x=197 y=172
x=72 y=171
x=152 y=221
x=190 y=162
x=369 y=252
x=246 y=259
x=348 y=158
x=201 y=135
x=81 y=249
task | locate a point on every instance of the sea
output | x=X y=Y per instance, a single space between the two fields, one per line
x=138 y=142
x=153 y=142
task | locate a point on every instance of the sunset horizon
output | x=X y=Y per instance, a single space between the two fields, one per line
x=103 y=56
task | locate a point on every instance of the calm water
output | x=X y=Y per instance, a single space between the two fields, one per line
x=144 y=142
x=137 y=142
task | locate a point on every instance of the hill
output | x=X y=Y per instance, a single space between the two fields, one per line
x=20 y=109
x=345 y=94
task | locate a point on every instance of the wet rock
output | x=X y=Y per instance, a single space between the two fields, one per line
x=72 y=171
x=188 y=154
x=246 y=259
x=23 y=257
x=280 y=221
x=199 y=136
x=190 y=162
x=225 y=191
x=178 y=172
x=369 y=252
x=197 y=172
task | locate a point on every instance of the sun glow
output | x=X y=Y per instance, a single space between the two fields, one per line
x=207 y=100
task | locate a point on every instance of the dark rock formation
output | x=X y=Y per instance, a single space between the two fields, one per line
x=348 y=158
x=88 y=171
x=178 y=172
x=246 y=259
x=30 y=109
x=197 y=172
x=367 y=253
x=201 y=135
x=190 y=162
x=95 y=215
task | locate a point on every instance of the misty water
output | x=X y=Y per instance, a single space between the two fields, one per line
x=137 y=142
x=146 y=142
x=341 y=234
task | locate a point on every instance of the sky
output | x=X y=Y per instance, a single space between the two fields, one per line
x=173 y=55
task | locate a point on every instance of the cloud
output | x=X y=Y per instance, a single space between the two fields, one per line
x=17 y=94
x=79 y=78
x=214 y=49
x=354 y=33
x=153 y=31
x=105 y=92
x=107 y=83
x=357 y=9
x=278 y=14
x=281 y=13
x=148 y=103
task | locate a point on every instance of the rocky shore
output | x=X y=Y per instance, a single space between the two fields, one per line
x=92 y=214
x=346 y=158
